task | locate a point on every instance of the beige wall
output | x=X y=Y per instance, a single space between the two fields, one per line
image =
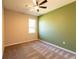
x=3 y=30
x=17 y=28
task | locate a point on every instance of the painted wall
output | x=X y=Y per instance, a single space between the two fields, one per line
x=3 y=31
x=59 y=27
x=17 y=28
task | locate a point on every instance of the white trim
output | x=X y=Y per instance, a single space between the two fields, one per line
x=19 y=43
x=59 y=47
x=14 y=44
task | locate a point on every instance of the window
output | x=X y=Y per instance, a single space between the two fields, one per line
x=32 y=26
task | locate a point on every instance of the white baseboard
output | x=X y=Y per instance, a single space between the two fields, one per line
x=58 y=47
x=19 y=43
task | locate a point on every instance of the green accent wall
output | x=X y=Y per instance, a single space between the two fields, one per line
x=59 y=26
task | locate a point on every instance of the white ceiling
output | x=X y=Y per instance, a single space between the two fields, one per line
x=19 y=5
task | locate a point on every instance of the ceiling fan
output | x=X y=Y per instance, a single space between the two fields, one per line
x=38 y=5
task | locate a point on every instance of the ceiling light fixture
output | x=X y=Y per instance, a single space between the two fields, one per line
x=37 y=8
x=38 y=5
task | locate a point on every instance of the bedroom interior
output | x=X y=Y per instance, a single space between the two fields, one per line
x=39 y=29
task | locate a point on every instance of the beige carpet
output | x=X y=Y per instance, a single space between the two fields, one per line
x=36 y=50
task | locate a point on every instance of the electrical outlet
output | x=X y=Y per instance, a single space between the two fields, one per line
x=64 y=42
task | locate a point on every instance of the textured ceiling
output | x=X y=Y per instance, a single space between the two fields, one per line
x=19 y=6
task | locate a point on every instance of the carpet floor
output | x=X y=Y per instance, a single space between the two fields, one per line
x=36 y=50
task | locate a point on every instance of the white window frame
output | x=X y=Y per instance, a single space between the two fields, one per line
x=32 y=25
